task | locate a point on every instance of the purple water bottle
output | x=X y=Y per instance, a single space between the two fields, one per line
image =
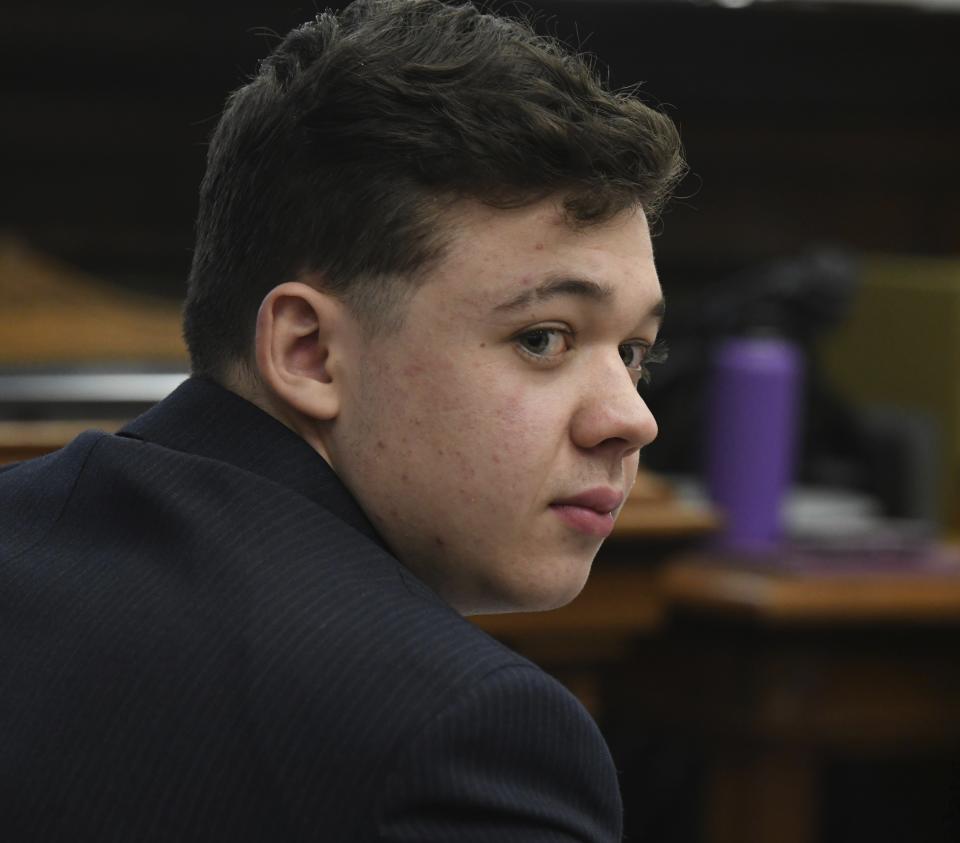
x=752 y=422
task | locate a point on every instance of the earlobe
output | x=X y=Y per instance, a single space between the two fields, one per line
x=298 y=348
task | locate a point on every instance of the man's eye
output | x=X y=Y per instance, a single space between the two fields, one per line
x=638 y=357
x=633 y=354
x=544 y=342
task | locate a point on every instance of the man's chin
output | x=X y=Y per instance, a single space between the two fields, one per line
x=540 y=596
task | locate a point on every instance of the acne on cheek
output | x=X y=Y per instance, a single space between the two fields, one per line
x=464 y=466
x=431 y=377
x=512 y=413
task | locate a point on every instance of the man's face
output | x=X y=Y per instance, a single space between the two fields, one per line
x=489 y=437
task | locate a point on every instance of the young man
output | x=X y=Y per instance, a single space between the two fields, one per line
x=422 y=298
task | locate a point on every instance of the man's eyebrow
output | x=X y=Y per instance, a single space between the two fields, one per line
x=553 y=287
x=659 y=310
x=582 y=287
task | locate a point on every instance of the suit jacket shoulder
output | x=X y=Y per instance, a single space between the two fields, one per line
x=229 y=652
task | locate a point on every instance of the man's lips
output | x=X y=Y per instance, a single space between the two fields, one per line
x=591 y=511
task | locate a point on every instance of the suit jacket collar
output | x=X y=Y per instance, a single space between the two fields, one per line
x=201 y=417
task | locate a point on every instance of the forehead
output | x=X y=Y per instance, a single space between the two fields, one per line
x=494 y=255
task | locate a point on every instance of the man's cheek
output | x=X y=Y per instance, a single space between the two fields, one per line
x=528 y=422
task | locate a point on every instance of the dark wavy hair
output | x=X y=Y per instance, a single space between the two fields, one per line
x=361 y=129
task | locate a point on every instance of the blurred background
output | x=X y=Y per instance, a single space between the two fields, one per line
x=822 y=210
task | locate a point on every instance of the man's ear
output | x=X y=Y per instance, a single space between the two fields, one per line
x=299 y=348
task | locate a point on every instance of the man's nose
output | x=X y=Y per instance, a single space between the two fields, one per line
x=614 y=414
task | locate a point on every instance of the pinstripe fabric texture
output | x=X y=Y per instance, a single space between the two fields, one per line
x=202 y=638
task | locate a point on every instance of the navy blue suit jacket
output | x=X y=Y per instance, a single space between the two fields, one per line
x=202 y=638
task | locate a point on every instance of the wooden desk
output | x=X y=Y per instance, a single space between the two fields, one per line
x=791 y=596
x=777 y=673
